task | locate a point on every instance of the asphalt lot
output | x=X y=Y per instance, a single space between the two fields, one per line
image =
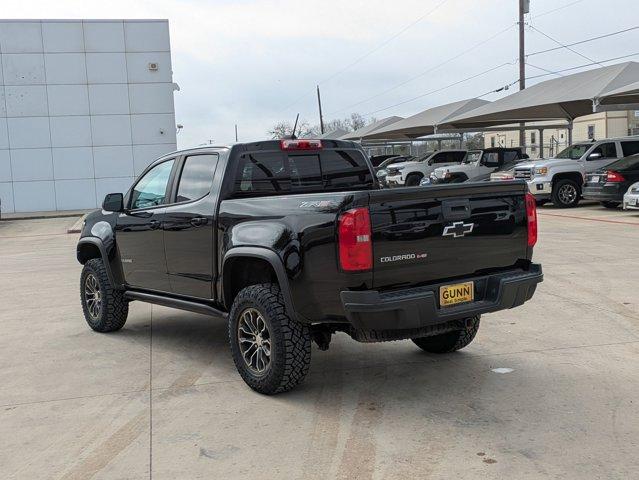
x=74 y=404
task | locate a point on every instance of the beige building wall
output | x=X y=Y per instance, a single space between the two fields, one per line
x=595 y=126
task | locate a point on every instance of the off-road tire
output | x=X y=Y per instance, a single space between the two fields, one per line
x=114 y=308
x=557 y=198
x=450 y=341
x=290 y=340
x=611 y=205
x=413 y=179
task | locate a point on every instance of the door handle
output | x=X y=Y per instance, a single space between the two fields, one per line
x=154 y=224
x=456 y=209
x=198 y=221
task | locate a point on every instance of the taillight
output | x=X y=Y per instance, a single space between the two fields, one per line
x=354 y=240
x=612 y=176
x=531 y=217
x=302 y=144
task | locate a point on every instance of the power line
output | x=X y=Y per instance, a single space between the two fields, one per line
x=544 y=69
x=440 y=89
x=556 y=72
x=370 y=52
x=548 y=12
x=564 y=46
x=583 y=41
x=394 y=87
x=386 y=42
x=585 y=65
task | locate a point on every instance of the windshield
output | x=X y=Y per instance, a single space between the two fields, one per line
x=472 y=156
x=627 y=163
x=574 y=152
x=426 y=156
x=393 y=160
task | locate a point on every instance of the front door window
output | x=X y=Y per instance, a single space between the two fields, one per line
x=150 y=191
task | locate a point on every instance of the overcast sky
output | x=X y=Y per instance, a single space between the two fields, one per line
x=256 y=62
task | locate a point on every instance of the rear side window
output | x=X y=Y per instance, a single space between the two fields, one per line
x=457 y=156
x=276 y=172
x=262 y=173
x=342 y=169
x=196 y=178
x=510 y=156
x=441 y=158
x=629 y=148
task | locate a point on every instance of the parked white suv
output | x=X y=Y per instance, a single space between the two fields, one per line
x=561 y=178
x=478 y=165
x=411 y=173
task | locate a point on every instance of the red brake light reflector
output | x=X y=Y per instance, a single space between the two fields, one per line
x=612 y=176
x=531 y=217
x=301 y=144
x=354 y=240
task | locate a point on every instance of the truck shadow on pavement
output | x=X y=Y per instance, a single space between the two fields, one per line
x=184 y=342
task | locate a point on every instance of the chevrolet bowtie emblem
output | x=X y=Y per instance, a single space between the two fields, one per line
x=458 y=229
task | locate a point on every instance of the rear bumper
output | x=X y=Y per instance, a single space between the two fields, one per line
x=606 y=193
x=418 y=308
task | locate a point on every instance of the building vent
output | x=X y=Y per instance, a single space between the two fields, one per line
x=153 y=66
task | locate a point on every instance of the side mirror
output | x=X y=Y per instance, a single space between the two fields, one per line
x=113 y=202
x=594 y=156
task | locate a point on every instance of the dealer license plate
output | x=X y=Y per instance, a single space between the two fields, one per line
x=457 y=293
x=594 y=179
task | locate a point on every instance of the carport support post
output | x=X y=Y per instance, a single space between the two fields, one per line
x=570 y=133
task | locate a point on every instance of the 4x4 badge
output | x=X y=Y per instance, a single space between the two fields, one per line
x=458 y=229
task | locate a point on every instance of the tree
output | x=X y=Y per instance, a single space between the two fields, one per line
x=285 y=129
x=305 y=130
x=474 y=141
x=355 y=122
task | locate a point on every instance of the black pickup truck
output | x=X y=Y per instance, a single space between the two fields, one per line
x=292 y=241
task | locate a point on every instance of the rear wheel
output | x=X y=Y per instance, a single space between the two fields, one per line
x=450 y=341
x=413 y=179
x=271 y=351
x=565 y=193
x=105 y=308
x=610 y=204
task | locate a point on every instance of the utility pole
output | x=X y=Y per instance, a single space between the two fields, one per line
x=524 y=7
x=236 y=132
x=319 y=104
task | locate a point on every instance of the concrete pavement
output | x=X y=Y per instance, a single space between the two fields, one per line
x=75 y=404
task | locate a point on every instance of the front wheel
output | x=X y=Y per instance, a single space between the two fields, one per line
x=565 y=193
x=271 y=351
x=610 y=204
x=450 y=341
x=413 y=180
x=105 y=308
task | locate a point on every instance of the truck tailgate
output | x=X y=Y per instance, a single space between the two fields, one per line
x=426 y=234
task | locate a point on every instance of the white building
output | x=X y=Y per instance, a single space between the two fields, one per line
x=85 y=105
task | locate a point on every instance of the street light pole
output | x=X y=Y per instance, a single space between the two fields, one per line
x=524 y=7
x=319 y=104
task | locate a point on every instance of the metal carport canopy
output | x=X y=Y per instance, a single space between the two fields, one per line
x=424 y=123
x=565 y=98
x=360 y=132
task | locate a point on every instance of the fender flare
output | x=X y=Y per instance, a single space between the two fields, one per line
x=95 y=241
x=276 y=263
